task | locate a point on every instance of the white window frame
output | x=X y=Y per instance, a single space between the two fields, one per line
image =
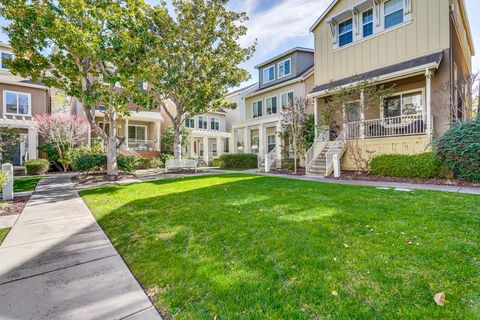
x=199 y=118
x=274 y=142
x=268 y=68
x=364 y=24
x=385 y=16
x=137 y=126
x=286 y=94
x=29 y=114
x=283 y=63
x=400 y=94
x=201 y=149
x=187 y=118
x=214 y=149
x=1 y=59
x=341 y=34
x=253 y=113
x=266 y=106
x=218 y=120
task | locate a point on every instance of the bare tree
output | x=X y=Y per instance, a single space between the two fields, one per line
x=294 y=121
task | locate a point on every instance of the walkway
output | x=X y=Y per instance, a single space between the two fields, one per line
x=57 y=263
x=378 y=184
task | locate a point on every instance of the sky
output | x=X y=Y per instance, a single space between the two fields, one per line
x=279 y=25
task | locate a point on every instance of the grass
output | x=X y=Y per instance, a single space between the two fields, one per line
x=3 y=234
x=26 y=184
x=241 y=246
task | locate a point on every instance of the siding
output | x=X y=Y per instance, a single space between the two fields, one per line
x=40 y=98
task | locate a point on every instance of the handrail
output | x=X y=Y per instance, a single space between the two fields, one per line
x=268 y=160
x=318 y=145
x=337 y=148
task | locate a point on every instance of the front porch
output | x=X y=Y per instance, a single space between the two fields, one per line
x=28 y=146
x=206 y=145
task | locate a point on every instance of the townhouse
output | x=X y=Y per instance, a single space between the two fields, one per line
x=21 y=100
x=414 y=46
x=281 y=78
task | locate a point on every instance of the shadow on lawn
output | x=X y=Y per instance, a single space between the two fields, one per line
x=277 y=248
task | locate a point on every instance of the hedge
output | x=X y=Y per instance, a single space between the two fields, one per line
x=423 y=166
x=238 y=161
x=37 y=166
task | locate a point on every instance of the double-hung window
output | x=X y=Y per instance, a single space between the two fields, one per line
x=287 y=98
x=271 y=143
x=202 y=122
x=190 y=122
x=367 y=23
x=214 y=149
x=4 y=57
x=271 y=105
x=17 y=103
x=269 y=74
x=257 y=109
x=403 y=105
x=137 y=133
x=393 y=13
x=284 y=68
x=215 y=124
x=345 y=33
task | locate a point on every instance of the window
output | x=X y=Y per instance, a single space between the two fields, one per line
x=16 y=103
x=190 y=122
x=226 y=146
x=215 y=124
x=257 y=109
x=201 y=149
x=403 y=105
x=271 y=105
x=367 y=21
x=269 y=74
x=137 y=133
x=5 y=56
x=393 y=13
x=271 y=144
x=214 y=149
x=202 y=122
x=345 y=33
x=286 y=99
x=284 y=68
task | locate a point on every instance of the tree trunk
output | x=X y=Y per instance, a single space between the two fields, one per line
x=177 y=143
x=295 y=157
x=112 y=169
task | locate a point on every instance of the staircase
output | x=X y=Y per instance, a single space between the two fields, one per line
x=322 y=162
x=319 y=165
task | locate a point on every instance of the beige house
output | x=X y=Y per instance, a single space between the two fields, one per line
x=416 y=45
x=21 y=100
x=281 y=78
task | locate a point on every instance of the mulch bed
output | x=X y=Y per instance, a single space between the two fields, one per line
x=13 y=207
x=346 y=175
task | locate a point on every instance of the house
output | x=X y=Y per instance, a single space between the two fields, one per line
x=22 y=100
x=417 y=47
x=281 y=78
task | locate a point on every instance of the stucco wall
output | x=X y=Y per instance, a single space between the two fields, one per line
x=40 y=98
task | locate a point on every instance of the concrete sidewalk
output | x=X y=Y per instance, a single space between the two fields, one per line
x=57 y=263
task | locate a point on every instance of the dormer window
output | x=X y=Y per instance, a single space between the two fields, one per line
x=345 y=33
x=367 y=23
x=269 y=74
x=284 y=68
x=393 y=13
x=5 y=56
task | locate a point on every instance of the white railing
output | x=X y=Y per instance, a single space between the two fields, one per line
x=181 y=164
x=270 y=158
x=387 y=127
x=141 y=145
x=335 y=152
x=318 y=145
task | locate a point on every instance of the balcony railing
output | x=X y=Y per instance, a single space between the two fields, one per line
x=141 y=145
x=387 y=127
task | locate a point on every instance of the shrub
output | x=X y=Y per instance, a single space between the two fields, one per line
x=88 y=162
x=459 y=150
x=217 y=162
x=127 y=164
x=162 y=159
x=424 y=166
x=37 y=166
x=239 y=161
x=3 y=179
x=147 y=163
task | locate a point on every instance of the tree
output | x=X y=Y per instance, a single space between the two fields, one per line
x=202 y=60
x=9 y=139
x=168 y=137
x=294 y=122
x=91 y=50
x=62 y=131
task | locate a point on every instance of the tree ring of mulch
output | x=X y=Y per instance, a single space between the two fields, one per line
x=15 y=206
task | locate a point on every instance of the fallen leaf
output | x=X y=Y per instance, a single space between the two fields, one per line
x=334 y=293
x=409 y=242
x=439 y=298
x=345 y=245
x=335 y=258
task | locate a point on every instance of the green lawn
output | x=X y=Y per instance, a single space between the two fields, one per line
x=3 y=234
x=241 y=246
x=26 y=184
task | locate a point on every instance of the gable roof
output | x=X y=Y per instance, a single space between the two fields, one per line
x=283 y=54
x=324 y=14
x=243 y=89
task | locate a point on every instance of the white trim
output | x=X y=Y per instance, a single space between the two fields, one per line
x=385 y=16
x=286 y=93
x=401 y=94
x=29 y=114
x=364 y=24
x=341 y=34
x=284 y=54
x=198 y=123
x=271 y=97
x=253 y=115
x=278 y=68
x=263 y=74
x=139 y=126
x=218 y=119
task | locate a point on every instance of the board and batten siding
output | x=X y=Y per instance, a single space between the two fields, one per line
x=426 y=33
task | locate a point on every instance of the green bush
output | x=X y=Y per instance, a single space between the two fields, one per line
x=239 y=161
x=127 y=164
x=146 y=163
x=3 y=179
x=162 y=159
x=423 y=166
x=459 y=150
x=89 y=162
x=217 y=162
x=37 y=166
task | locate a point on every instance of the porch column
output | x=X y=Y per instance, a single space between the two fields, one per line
x=247 y=140
x=315 y=114
x=362 y=115
x=220 y=146
x=428 y=98
x=192 y=147
x=158 y=136
x=234 y=141
x=32 y=143
x=278 y=140
x=206 y=150
x=125 y=132
x=261 y=141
